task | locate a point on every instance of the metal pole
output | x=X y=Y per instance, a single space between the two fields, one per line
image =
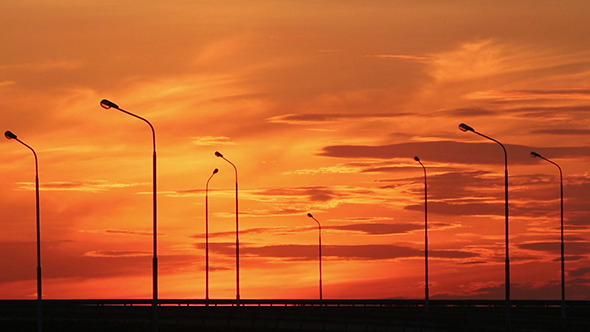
x=426 y=290
x=108 y=104
x=562 y=239
x=237 y=231
x=319 y=254
x=10 y=135
x=464 y=127
x=207 y=237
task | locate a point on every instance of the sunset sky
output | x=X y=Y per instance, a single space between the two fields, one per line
x=322 y=106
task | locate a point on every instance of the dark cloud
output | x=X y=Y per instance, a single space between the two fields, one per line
x=316 y=194
x=379 y=228
x=579 y=91
x=258 y=230
x=64 y=260
x=453 y=152
x=580 y=272
x=128 y=232
x=474 y=208
x=323 y=117
x=569 y=132
x=571 y=248
x=463 y=112
x=346 y=252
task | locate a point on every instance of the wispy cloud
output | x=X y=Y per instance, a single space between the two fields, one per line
x=117 y=253
x=212 y=140
x=307 y=118
x=409 y=57
x=85 y=186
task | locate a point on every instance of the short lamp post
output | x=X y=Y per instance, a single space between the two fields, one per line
x=207 y=236
x=426 y=291
x=320 y=252
x=536 y=155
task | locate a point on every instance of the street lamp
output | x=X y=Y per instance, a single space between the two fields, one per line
x=106 y=104
x=426 y=292
x=217 y=154
x=207 y=236
x=320 y=250
x=9 y=135
x=536 y=155
x=463 y=127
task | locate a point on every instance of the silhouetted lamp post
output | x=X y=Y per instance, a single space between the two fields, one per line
x=534 y=154
x=9 y=135
x=237 y=231
x=207 y=236
x=426 y=292
x=320 y=251
x=106 y=104
x=463 y=127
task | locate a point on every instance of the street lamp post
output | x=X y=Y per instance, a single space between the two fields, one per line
x=320 y=251
x=106 y=104
x=217 y=154
x=534 y=154
x=463 y=127
x=207 y=236
x=9 y=135
x=426 y=291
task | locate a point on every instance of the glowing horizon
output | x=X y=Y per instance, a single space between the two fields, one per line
x=322 y=106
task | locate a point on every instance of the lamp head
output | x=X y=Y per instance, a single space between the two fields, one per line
x=416 y=158
x=217 y=154
x=534 y=155
x=309 y=215
x=9 y=135
x=106 y=104
x=215 y=171
x=463 y=127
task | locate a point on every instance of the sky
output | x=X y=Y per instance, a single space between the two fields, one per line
x=322 y=106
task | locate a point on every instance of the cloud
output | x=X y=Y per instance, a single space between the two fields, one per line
x=571 y=247
x=299 y=252
x=314 y=194
x=45 y=66
x=211 y=140
x=409 y=57
x=452 y=152
x=86 y=186
x=306 y=118
x=562 y=132
x=127 y=232
x=117 y=253
x=378 y=228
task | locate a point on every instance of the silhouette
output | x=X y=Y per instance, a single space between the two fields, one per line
x=463 y=127
x=217 y=154
x=562 y=244
x=106 y=104
x=207 y=235
x=320 y=250
x=426 y=291
x=9 y=135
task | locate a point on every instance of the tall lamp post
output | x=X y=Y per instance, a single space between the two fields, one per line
x=426 y=292
x=9 y=135
x=217 y=154
x=536 y=155
x=463 y=127
x=106 y=104
x=320 y=250
x=207 y=236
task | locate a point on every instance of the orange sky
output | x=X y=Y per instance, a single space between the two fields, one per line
x=322 y=105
